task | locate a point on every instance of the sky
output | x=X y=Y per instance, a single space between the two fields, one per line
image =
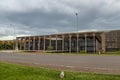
x=43 y=17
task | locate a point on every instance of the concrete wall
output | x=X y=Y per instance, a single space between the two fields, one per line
x=113 y=40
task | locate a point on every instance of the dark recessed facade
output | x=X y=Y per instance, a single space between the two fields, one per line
x=72 y=42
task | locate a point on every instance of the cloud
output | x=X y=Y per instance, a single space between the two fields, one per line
x=41 y=17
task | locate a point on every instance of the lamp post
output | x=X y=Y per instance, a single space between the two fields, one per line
x=77 y=29
x=12 y=35
x=76 y=22
x=14 y=39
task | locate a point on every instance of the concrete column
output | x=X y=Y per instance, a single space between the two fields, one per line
x=77 y=42
x=44 y=44
x=62 y=42
x=94 y=43
x=69 y=43
x=56 y=42
x=39 y=38
x=85 y=42
x=16 y=45
x=33 y=43
x=103 y=42
x=21 y=44
x=25 y=43
x=50 y=41
x=29 y=42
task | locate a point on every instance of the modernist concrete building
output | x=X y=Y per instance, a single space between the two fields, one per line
x=72 y=42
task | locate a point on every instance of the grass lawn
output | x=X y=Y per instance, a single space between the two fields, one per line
x=18 y=72
x=90 y=54
x=82 y=53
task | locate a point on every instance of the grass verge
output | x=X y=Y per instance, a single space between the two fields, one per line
x=18 y=72
x=90 y=54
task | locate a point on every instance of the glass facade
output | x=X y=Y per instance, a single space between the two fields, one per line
x=73 y=42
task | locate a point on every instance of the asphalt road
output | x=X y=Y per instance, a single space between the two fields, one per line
x=87 y=63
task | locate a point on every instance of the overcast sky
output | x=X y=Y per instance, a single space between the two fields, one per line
x=41 y=17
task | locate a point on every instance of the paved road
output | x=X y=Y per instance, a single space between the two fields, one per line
x=102 y=64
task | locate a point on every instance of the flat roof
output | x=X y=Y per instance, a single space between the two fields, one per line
x=67 y=33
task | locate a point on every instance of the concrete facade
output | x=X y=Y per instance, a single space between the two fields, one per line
x=72 y=42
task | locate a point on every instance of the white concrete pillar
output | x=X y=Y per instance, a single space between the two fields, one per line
x=94 y=43
x=85 y=42
x=29 y=42
x=16 y=45
x=69 y=43
x=20 y=43
x=39 y=38
x=103 y=42
x=62 y=42
x=50 y=40
x=25 y=43
x=33 y=43
x=44 y=44
x=56 y=43
x=77 y=43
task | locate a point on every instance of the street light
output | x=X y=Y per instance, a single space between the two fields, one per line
x=14 y=38
x=77 y=28
x=76 y=22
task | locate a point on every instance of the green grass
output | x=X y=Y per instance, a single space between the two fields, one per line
x=117 y=53
x=90 y=54
x=83 y=53
x=18 y=72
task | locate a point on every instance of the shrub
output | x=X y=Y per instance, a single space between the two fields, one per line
x=50 y=47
